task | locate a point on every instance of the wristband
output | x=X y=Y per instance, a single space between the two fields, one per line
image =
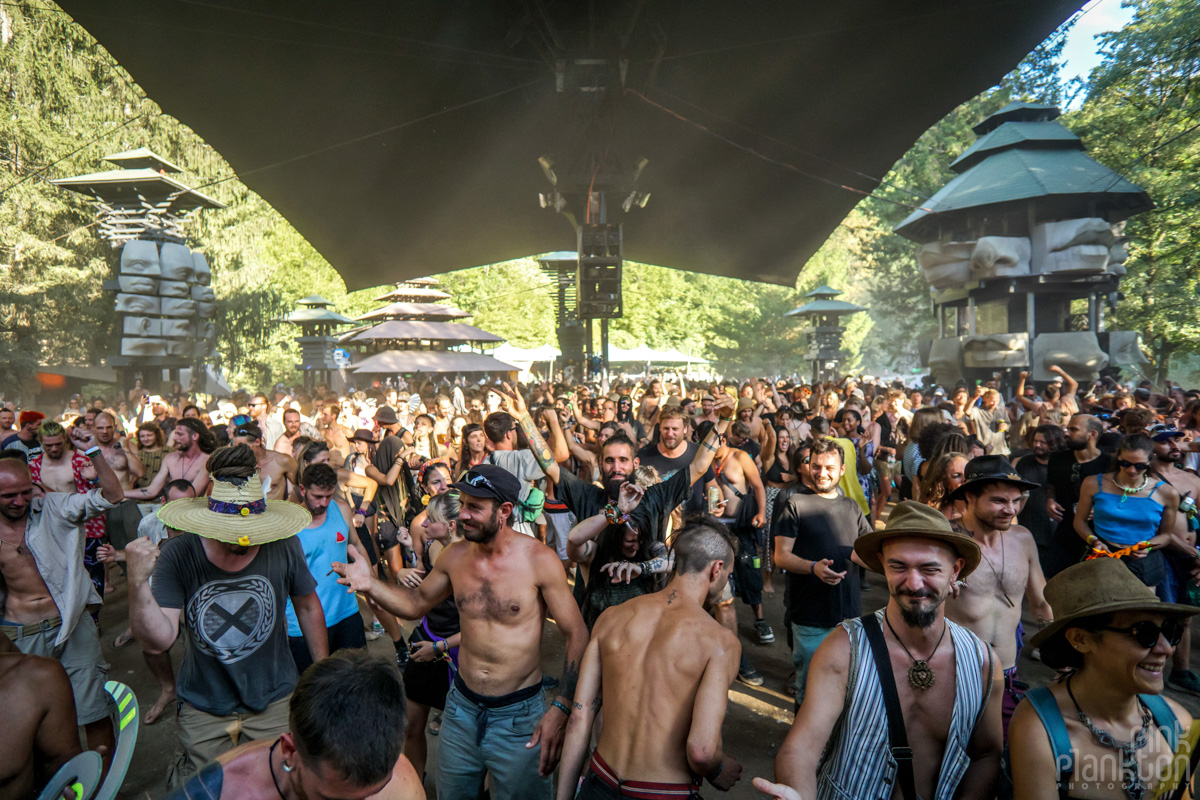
x=561 y=706
x=92 y=452
x=813 y=568
x=614 y=515
x=726 y=419
x=1092 y=538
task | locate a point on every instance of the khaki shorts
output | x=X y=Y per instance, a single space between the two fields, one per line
x=85 y=665
x=203 y=736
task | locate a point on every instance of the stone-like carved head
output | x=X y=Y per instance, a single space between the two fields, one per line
x=178 y=307
x=140 y=257
x=138 y=284
x=202 y=273
x=138 y=304
x=176 y=262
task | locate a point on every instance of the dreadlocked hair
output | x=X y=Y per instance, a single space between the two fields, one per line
x=237 y=461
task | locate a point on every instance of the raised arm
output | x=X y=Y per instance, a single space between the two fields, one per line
x=109 y=483
x=1070 y=385
x=546 y=458
x=1030 y=405
x=707 y=450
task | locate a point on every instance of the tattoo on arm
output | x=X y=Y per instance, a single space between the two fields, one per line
x=570 y=679
x=578 y=705
x=597 y=701
x=541 y=451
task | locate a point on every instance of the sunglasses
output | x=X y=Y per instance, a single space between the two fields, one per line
x=241 y=419
x=1146 y=633
x=475 y=479
x=1140 y=466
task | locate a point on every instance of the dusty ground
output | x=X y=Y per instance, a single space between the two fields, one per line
x=757 y=720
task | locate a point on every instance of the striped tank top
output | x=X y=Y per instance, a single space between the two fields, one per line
x=857 y=763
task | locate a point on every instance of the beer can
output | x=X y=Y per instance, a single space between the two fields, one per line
x=714 y=497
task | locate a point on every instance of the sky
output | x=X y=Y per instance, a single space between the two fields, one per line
x=1099 y=16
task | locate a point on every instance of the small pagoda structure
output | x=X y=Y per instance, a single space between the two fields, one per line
x=416 y=332
x=825 y=339
x=1030 y=226
x=318 y=339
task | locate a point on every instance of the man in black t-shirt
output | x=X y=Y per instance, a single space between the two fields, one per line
x=814 y=542
x=674 y=452
x=1065 y=473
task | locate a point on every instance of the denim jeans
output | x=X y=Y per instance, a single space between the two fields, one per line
x=476 y=739
x=805 y=641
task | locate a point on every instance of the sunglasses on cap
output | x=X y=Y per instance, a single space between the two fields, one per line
x=241 y=419
x=1146 y=633
x=1140 y=466
x=477 y=479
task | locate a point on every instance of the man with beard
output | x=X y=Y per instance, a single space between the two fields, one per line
x=224 y=580
x=990 y=605
x=625 y=418
x=676 y=451
x=260 y=411
x=1065 y=472
x=1034 y=467
x=650 y=402
x=708 y=411
x=990 y=420
x=275 y=470
x=1167 y=457
x=193 y=442
x=893 y=671
x=333 y=433
x=659 y=668
x=814 y=542
x=291 y=430
x=505 y=584
x=8 y=419
x=44 y=587
x=121 y=523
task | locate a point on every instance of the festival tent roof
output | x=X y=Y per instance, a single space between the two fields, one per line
x=647 y=355
x=507 y=352
x=430 y=312
x=427 y=361
x=403 y=138
x=417 y=330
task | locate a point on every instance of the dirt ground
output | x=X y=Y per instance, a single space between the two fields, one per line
x=757 y=720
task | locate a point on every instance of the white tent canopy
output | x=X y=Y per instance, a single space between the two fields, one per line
x=647 y=355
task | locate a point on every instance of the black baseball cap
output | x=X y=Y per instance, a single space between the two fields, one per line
x=492 y=482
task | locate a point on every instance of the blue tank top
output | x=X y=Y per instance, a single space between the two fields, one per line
x=322 y=546
x=1125 y=520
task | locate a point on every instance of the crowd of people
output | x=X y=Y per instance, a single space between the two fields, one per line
x=277 y=533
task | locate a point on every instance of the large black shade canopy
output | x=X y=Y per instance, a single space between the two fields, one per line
x=402 y=138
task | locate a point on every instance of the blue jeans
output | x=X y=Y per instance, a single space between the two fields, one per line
x=477 y=739
x=805 y=641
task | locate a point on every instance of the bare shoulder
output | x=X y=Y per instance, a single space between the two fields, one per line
x=1021 y=535
x=37 y=672
x=405 y=783
x=834 y=652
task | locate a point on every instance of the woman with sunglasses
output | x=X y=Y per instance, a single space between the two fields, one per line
x=1131 y=514
x=1105 y=731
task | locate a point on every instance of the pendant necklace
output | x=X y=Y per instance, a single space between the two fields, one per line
x=999 y=575
x=1127 y=490
x=920 y=674
x=17 y=547
x=1135 y=787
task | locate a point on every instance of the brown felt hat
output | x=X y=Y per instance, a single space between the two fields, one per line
x=912 y=519
x=1100 y=586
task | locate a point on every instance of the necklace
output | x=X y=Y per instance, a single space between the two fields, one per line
x=271 y=764
x=998 y=575
x=1128 y=490
x=4 y=541
x=1135 y=787
x=920 y=675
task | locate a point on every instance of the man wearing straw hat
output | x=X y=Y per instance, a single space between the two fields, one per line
x=885 y=732
x=228 y=576
x=1105 y=731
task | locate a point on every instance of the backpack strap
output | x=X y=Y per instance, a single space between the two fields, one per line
x=1164 y=718
x=897 y=734
x=1043 y=702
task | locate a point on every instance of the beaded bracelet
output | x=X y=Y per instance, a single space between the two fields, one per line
x=614 y=515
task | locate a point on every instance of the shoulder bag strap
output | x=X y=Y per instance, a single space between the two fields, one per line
x=1164 y=717
x=1043 y=702
x=897 y=734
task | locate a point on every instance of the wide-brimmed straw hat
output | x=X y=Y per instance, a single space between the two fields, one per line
x=236 y=513
x=912 y=519
x=1100 y=586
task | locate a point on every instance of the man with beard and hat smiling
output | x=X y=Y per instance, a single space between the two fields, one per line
x=990 y=605
x=227 y=577
x=505 y=585
x=874 y=722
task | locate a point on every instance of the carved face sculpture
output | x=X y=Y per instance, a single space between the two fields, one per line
x=137 y=304
x=138 y=284
x=945 y=360
x=139 y=257
x=173 y=289
x=203 y=294
x=177 y=307
x=203 y=275
x=176 y=262
x=206 y=310
x=178 y=328
x=131 y=346
x=207 y=331
x=142 y=326
x=179 y=347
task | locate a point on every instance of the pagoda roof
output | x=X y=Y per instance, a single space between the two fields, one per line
x=310 y=316
x=824 y=290
x=1068 y=182
x=130 y=185
x=422 y=281
x=1029 y=135
x=314 y=300
x=436 y=361
x=430 y=312
x=412 y=294
x=420 y=330
x=1017 y=111
x=142 y=158
x=825 y=307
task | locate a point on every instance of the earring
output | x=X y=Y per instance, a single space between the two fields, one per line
x=287 y=767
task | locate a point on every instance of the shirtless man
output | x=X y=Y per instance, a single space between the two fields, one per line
x=708 y=411
x=291 y=430
x=948 y=700
x=1167 y=457
x=39 y=539
x=193 y=443
x=1059 y=405
x=275 y=470
x=648 y=409
x=990 y=604
x=333 y=432
x=60 y=468
x=745 y=501
x=505 y=585
x=121 y=523
x=39 y=733
x=667 y=665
